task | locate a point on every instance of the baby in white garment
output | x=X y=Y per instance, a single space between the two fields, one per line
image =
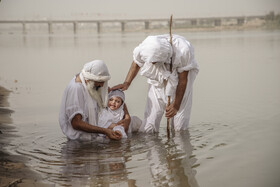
x=113 y=113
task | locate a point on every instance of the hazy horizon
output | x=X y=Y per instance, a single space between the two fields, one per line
x=129 y=9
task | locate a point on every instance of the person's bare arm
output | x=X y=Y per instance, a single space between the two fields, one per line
x=173 y=108
x=79 y=124
x=134 y=68
x=126 y=119
x=112 y=125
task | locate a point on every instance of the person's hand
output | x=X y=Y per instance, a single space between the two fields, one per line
x=171 y=111
x=119 y=133
x=113 y=135
x=122 y=87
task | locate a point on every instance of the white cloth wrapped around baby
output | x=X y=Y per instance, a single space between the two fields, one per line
x=114 y=113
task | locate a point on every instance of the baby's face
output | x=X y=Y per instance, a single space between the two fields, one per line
x=114 y=103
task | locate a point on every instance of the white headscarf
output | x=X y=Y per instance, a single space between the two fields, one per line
x=96 y=71
x=156 y=49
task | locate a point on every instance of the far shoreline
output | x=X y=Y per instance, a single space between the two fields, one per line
x=267 y=22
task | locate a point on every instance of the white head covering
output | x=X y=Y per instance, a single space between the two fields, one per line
x=97 y=71
x=117 y=93
x=155 y=49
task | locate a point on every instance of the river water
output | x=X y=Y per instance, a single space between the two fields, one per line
x=233 y=138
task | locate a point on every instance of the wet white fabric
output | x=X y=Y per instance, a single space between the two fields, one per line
x=105 y=121
x=75 y=101
x=163 y=83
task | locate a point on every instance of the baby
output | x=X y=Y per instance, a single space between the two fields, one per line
x=113 y=113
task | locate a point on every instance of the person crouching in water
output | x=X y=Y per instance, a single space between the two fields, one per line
x=111 y=116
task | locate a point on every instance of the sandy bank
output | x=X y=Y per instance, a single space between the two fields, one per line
x=13 y=171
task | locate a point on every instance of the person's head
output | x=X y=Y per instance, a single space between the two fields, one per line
x=116 y=99
x=156 y=49
x=96 y=76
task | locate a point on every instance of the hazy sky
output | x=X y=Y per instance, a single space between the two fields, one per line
x=125 y=9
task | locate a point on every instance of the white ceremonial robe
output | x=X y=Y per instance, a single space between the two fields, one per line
x=163 y=83
x=75 y=101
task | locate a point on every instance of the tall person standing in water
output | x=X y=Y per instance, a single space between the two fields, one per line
x=152 y=59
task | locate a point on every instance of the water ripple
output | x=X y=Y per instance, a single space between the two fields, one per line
x=158 y=158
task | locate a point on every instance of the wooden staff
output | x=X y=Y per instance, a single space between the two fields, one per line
x=170 y=41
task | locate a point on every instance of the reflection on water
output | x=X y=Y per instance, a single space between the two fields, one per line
x=94 y=164
x=171 y=160
x=105 y=163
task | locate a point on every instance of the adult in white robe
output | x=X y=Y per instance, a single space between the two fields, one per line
x=153 y=58
x=83 y=98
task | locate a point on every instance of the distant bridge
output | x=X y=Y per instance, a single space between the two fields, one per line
x=177 y=23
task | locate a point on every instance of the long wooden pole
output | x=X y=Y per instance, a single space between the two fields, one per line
x=170 y=25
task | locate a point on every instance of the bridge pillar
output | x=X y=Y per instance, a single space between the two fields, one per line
x=123 y=26
x=75 y=27
x=147 y=25
x=193 y=22
x=23 y=28
x=50 y=28
x=217 y=22
x=98 y=24
x=240 y=21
